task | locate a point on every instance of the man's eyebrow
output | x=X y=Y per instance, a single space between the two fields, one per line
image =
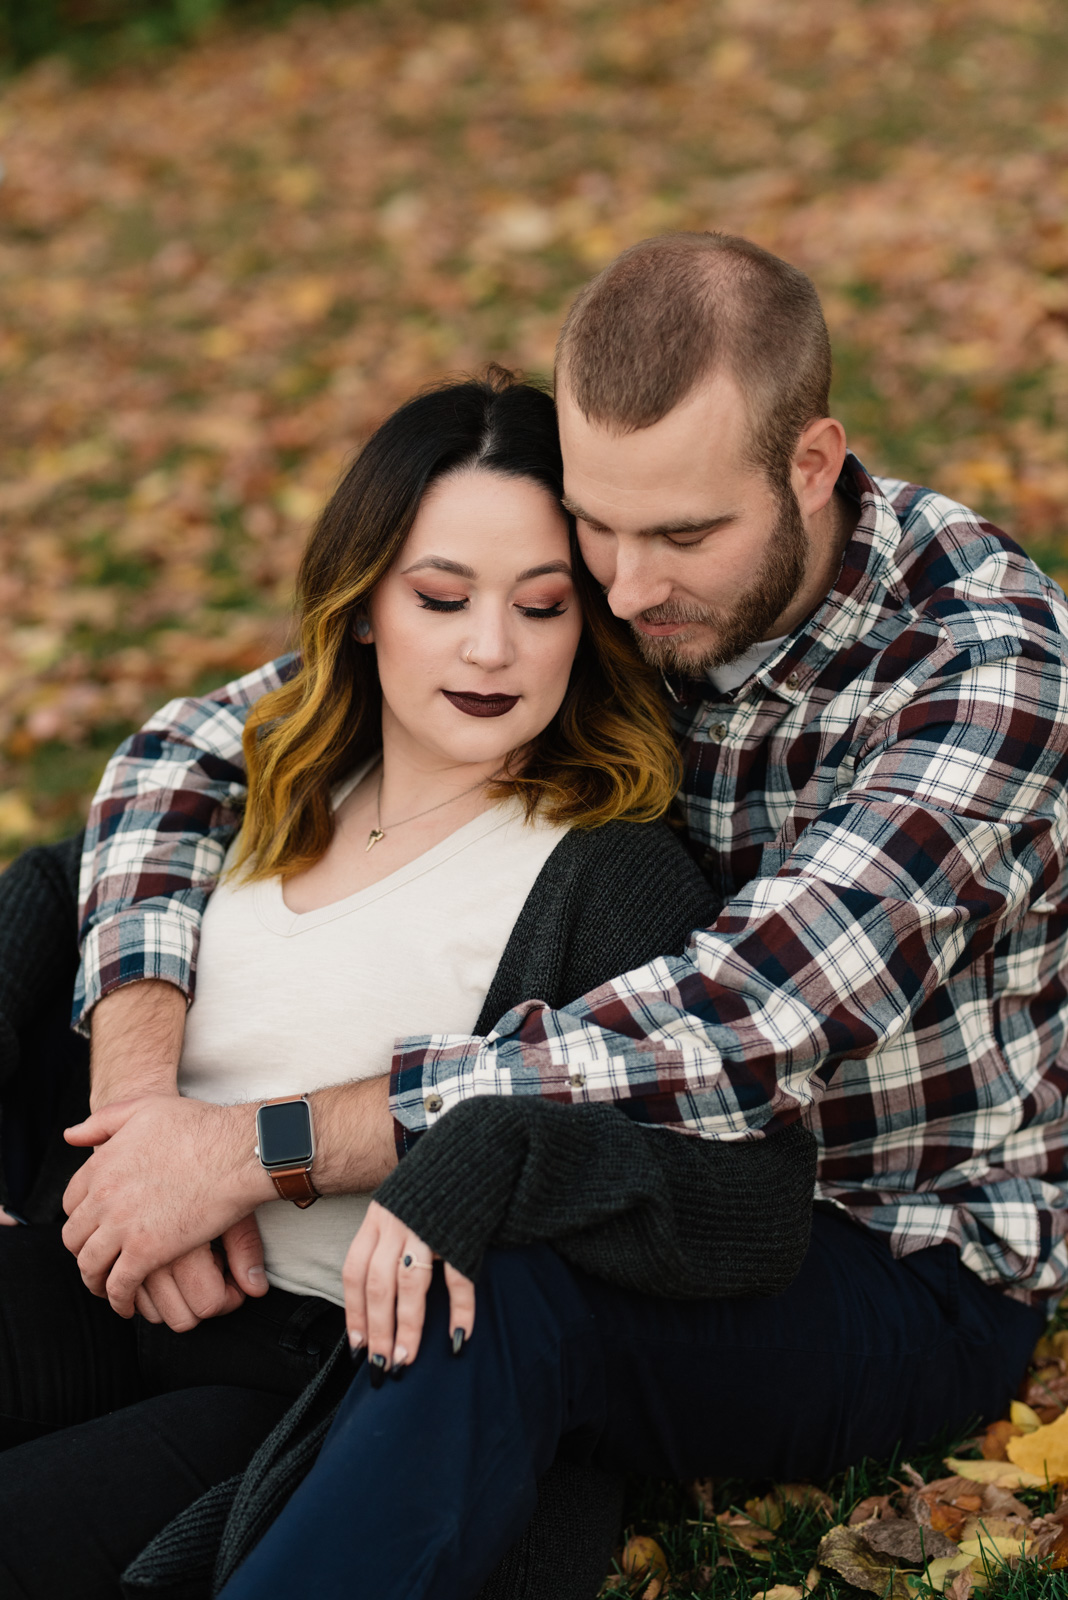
x=440 y=564
x=685 y=525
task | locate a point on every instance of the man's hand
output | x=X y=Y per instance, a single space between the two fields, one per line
x=210 y=1281
x=167 y=1175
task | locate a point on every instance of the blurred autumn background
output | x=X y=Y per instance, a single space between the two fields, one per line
x=222 y=261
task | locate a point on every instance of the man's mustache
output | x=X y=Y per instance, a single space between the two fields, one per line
x=673 y=612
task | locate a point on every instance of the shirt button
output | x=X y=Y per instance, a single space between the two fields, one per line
x=719 y=732
x=577 y=1081
x=793 y=680
x=433 y=1102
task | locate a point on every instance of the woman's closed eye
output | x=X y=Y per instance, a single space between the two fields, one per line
x=432 y=602
x=557 y=609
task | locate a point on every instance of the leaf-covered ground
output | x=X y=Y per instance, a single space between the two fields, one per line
x=218 y=269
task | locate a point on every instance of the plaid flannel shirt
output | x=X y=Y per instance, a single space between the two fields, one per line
x=882 y=806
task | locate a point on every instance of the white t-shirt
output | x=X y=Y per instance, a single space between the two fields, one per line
x=734 y=673
x=288 y=1002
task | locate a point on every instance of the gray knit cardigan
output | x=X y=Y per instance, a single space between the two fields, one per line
x=643 y=1207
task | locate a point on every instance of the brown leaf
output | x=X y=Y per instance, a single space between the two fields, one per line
x=703 y=1491
x=906 y=1542
x=959 y=1586
x=876 y=1505
x=995 y=1439
x=805 y=1495
x=845 y=1551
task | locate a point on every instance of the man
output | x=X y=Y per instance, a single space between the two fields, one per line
x=869 y=685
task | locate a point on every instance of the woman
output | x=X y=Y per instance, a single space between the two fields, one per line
x=440 y=824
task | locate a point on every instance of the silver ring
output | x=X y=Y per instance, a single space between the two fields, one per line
x=410 y=1261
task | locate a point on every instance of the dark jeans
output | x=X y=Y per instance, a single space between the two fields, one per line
x=422 y=1484
x=110 y=1428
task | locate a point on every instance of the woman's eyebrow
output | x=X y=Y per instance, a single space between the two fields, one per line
x=543 y=571
x=440 y=564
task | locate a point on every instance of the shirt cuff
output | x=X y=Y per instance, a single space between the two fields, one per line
x=429 y=1076
x=136 y=944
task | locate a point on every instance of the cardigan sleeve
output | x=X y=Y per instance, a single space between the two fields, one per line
x=643 y=1207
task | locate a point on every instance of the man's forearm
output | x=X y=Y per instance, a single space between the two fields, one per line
x=137 y=1034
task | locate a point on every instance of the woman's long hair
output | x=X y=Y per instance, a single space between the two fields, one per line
x=608 y=752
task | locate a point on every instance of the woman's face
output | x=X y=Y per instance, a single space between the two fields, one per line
x=477 y=622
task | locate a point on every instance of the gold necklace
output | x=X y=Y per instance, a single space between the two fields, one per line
x=378 y=833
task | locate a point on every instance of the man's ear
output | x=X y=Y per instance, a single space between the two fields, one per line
x=818 y=461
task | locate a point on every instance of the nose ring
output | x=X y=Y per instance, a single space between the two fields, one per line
x=467 y=658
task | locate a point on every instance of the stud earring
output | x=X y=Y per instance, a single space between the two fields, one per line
x=362 y=628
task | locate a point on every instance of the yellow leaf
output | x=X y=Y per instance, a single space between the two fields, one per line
x=812 y=1578
x=643 y=1558
x=1043 y=1452
x=17 y=820
x=945 y=1567
x=1024 y=1417
x=1003 y=1473
x=780 y=1591
x=994 y=1549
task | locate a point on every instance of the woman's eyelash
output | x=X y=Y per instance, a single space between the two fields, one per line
x=430 y=604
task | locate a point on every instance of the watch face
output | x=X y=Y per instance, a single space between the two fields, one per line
x=285 y=1134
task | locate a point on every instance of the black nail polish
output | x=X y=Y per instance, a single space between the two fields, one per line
x=458 y=1337
x=356 y=1353
x=397 y=1372
x=377 y=1374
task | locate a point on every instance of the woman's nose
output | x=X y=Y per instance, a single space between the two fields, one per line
x=489 y=643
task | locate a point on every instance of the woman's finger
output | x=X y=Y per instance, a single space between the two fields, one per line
x=381 y=1301
x=461 y=1308
x=354 y=1280
x=413 y=1280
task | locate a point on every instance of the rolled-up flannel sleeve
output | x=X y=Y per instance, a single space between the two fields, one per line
x=158 y=830
x=948 y=822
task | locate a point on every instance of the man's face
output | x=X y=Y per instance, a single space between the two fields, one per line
x=691 y=543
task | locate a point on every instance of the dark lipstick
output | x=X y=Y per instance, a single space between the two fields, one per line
x=482 y=705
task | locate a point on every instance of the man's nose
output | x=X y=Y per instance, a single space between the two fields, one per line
x=638 y=581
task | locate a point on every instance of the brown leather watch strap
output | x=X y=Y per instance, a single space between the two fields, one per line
x=294 y=1183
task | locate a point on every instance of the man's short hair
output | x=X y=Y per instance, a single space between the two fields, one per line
x=673 y=310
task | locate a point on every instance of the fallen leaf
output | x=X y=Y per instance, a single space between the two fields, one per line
x=997 y=1437
x=812 y=1579
x=643 y=1558
x=1043 y=1452
x=949 y=1567
x=1023 y=1417
x=805 y=1495
x=995 y=1550
x=780 y=1591
x=845 y=1551
x=906 y=1541
x=876 y=1505
x=1008 y=1476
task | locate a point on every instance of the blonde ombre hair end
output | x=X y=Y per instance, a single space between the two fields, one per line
x=608 y=753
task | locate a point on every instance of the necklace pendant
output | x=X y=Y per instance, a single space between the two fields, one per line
x=373 y=838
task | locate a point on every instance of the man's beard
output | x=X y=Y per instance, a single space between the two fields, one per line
x=777 y=581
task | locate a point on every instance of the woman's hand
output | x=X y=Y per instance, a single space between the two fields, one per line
x=387 y=1273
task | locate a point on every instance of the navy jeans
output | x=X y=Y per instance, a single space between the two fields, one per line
x=424 y=1483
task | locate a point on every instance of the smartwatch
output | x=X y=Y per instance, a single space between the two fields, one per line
x=286 y=1147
